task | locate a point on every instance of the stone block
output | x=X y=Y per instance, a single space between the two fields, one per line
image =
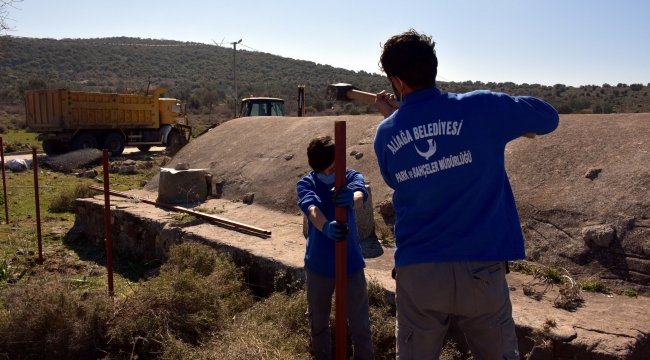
x=182 y=187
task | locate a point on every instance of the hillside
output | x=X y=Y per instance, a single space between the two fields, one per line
x=202 y=75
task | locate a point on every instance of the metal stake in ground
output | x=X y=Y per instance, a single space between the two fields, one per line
x=107 y=217
x=4 y=180
x=38 y=206
x=340 y=253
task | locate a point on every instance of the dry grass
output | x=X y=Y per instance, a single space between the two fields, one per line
x=197 y=308
x=64 y=201
x=51 y=319
x=195 y=295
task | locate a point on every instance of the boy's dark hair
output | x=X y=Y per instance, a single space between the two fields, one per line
x=320 y=153
x=411 y=57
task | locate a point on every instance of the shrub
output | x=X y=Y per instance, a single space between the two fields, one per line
x=319 y=105
x=65 y=201
x=196 y=294
x=53 y=320
x=636 y=87
x=310 y=109
x=11 y=147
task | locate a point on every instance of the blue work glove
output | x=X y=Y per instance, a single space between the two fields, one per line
x=343 y=197
x=335 y=230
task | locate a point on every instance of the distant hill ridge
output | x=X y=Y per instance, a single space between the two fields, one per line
x=190 y=70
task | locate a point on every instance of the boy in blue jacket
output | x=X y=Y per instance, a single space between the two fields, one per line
x=457 y=223
x=317 y=201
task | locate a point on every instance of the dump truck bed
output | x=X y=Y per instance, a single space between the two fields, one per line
x=61 y=110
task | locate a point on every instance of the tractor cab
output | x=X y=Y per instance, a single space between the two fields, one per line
x=262 y=106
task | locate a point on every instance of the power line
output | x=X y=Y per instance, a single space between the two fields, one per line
x=249 y=47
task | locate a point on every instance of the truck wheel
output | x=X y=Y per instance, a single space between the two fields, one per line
x=144 y=148
x=84 y=141
x=175 y=141
x=51 y=147
x=114 y=143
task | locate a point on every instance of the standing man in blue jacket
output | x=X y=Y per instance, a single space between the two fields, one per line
x=317 y=201
x=457 y=223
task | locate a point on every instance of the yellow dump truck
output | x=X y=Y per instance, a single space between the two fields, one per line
x=72 y=120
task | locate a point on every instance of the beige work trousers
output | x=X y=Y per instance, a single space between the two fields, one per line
x=476 y=293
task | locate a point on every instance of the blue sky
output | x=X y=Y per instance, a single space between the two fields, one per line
x=547 y=42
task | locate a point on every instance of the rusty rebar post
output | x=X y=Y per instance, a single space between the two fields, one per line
x=107 y=216
x=340 y=270
x=4 y=180
x=38 y=206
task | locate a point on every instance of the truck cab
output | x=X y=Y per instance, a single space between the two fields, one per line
x=261 y=106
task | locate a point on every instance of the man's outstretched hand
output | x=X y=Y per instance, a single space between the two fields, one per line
x=382 y=102
x=336 y=231
x=343 y=197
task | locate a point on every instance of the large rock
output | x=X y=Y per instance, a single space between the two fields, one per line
x=601 y=235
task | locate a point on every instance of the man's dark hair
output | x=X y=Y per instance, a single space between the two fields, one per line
x=320 y=153
x=412 y=58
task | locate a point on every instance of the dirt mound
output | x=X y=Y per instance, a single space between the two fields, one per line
x=582 y=191
x=268 y=155
x=583 y=194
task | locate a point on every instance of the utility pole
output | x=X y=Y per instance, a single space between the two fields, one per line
x=234 y=71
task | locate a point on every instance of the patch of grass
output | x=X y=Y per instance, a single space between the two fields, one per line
x=551 y=274
x=20 y=138
x=183 y=217
x=523 y=267
x=547 y=274
x=385 y=234
x=4 y=270
x=630 y=293
x=64 y=201
x=594 y=286
x=235 y=200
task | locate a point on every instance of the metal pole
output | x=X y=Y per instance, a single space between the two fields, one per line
x=340 y=250
x=107 y=217
x=38 y=206
x=301 y=100
x=4 y=180
x=234 y=72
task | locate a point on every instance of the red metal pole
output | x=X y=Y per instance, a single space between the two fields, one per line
x=4 y=179
x=107 y=216
x=38 y=206
x=340 y=270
